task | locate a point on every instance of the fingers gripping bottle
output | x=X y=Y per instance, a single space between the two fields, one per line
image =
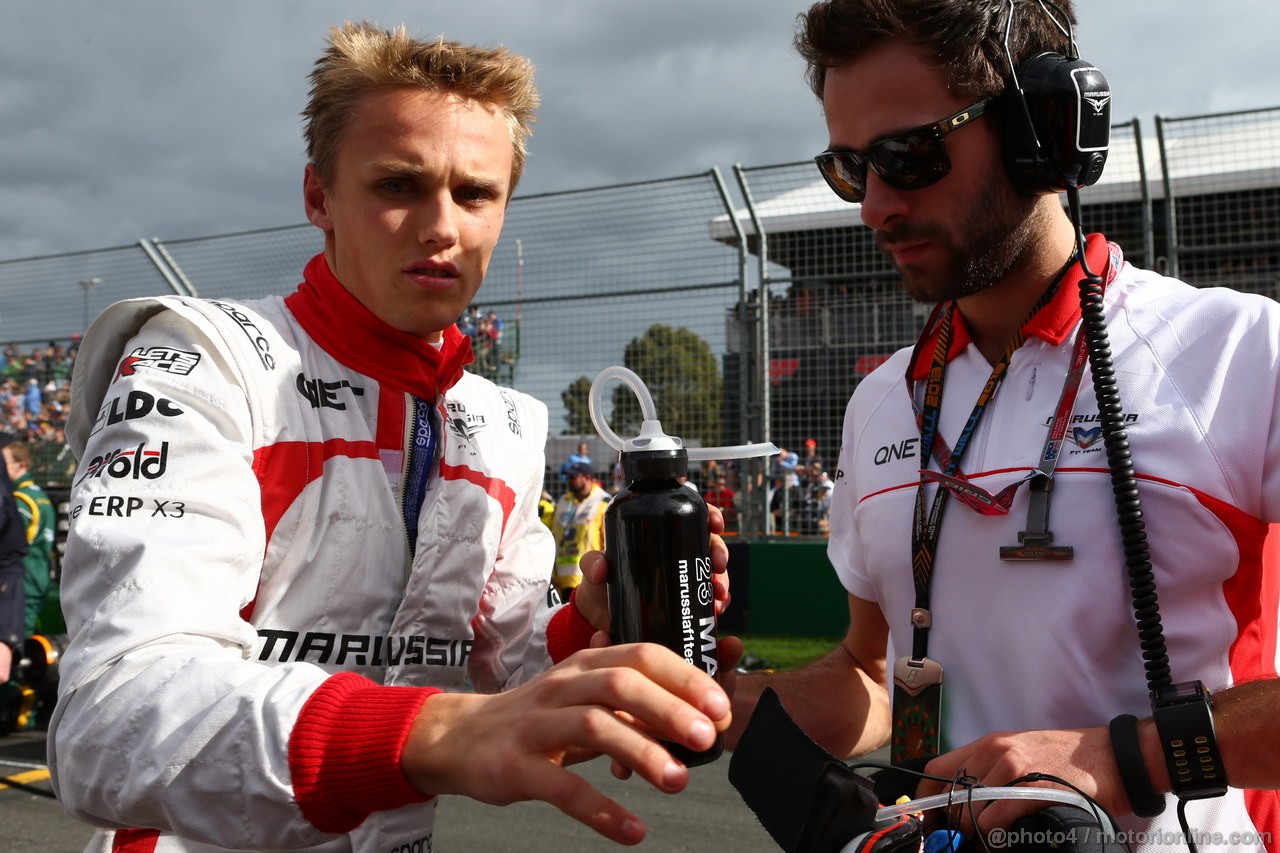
x=658 y=545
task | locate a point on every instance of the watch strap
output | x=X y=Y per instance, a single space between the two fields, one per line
x=1143 y=798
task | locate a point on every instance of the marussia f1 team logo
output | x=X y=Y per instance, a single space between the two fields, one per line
x=461 y=423
x=133 y=463
x=166 y=359
x=1086 y=438
x=465 y=429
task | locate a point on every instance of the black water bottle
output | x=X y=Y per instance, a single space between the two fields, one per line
x=658 y=544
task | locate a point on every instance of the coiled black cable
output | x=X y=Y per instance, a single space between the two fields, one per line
x=1124 y=484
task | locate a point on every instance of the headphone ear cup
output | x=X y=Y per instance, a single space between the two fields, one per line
x=1057 y=126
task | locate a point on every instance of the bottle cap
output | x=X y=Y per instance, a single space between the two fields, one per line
x=653 y=455
x=652 y=437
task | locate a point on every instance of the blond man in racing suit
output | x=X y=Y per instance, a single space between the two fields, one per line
x=299 y=529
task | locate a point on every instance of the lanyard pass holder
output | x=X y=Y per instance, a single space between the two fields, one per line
x=1036 y=542
x=917 y=698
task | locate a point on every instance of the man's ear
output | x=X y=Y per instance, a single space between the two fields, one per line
x=315 y=197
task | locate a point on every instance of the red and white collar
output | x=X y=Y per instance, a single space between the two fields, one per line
x=352 y=334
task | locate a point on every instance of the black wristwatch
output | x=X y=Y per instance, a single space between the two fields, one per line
x=1183 y=715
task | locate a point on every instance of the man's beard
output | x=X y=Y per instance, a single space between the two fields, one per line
x=994 y=235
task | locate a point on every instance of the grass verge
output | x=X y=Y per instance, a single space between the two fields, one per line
x=788 y=652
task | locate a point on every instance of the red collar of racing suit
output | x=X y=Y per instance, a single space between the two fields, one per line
x=352 y=334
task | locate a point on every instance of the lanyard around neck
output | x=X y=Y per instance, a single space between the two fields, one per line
x=422 y=454
x=926 y=526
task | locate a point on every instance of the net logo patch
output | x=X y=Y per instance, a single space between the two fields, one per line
x=322 y=394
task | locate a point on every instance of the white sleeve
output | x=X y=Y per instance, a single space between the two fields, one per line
x=165 y=720
x=516 y=605
x=842 y=544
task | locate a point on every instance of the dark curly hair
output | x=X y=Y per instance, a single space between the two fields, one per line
x=966 y=37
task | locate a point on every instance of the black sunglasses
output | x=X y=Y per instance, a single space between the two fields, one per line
x=911 y=160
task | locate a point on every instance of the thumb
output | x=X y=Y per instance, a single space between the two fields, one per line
x=592 y=596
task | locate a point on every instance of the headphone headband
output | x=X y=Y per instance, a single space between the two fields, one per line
x=1056 y=116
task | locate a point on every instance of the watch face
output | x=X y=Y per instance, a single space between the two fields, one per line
x=1185 y=691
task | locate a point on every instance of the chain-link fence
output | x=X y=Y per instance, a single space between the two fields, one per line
x=752 y=310
x=1222 y=173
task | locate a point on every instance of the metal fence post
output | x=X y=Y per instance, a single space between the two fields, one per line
x=744 y=387
x=761 y=341
x=1170 y=206
x=1148 y=224
x=167 y=268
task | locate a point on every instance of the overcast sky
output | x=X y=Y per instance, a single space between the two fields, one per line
x=122 y=119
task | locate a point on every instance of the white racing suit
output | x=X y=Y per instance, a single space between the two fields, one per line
x=244 y=604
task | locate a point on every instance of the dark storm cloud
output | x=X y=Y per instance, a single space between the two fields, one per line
x=175 y=118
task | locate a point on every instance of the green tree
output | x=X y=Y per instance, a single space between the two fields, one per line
x=682 y=374
x=577 y=412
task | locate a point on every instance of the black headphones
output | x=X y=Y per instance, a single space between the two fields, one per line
x=1055 y=116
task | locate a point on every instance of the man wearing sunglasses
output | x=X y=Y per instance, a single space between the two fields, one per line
x=999 y=636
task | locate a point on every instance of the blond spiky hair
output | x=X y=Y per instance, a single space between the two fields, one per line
x=363 y=57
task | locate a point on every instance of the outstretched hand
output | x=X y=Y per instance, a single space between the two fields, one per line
x=616 y=701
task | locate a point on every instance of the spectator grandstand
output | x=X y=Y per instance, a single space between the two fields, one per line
x=34 y=400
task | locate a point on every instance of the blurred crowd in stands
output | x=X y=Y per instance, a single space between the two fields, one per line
x=797 y=488
x=485 y=331
x=35 y=395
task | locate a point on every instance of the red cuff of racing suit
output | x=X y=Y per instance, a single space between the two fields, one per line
x=568 y=631
x=344 y=753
